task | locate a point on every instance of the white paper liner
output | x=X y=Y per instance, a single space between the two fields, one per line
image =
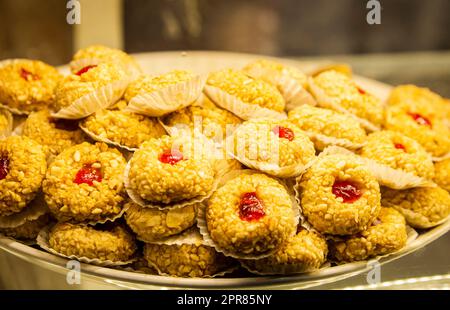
x=96 y=137
x=175 y=131
x=33 y=211
x=330 y=150
x=9 y=127
x=385 y=175
x=411 y=236
x=203 y=227
x=99 y=99
x=221 y=165
x=327 y=141
x=18 y=131
x=441 y=158
x=146 y=204
x=168 y=99
x=189 y=236
x=395 y=178
x=293 y=92
x=5 y=106
x=14 y=110
x=418 y=218
x=43 y=241
x=110 y=218
x=325 y=101
x=236 y=106
x=76 y=65
x=269 y=168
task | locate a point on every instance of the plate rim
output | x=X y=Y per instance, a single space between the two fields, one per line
x=52 y=262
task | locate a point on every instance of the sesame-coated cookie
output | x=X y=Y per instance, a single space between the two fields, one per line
x=328 y=123
x=125 y=128
x=85 y=183
x=22 y=168
x=339 y=195
x=151 y=224
x=442 y=174
x=28 y=85
x=303 y=252
x=431 y=132
x=351 y=97
x=423 y=207
x=186 y=260
x=102 y=53
x=386 y=235
x=257 y=69
x=247 y=89
x=279 y=143
x=75 y=86
x=148 y=84
x=55 y=135
x=419 y=100
x=166 y=171
x=212 y=121
x=102 y=242
x=399 y=152
x=250 y=215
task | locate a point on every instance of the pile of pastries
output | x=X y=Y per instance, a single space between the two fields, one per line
x=263 y=168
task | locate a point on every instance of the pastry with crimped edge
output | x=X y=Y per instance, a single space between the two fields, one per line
x=400 y=152
x=27 y=85
x=290 y=81
x=110 y=242
x=304 y=252
x=55 y=135
x=170 y=172
x=278 y=148
x=387 y=234
x=85 y=184
x=423 y=207
x=250 y=216
x=120 y=128
x=244 y=96
x=22 y=169
x=431 y=132
x=327 y=127
x=337 y=91
x=150 y=224
x=339 y=195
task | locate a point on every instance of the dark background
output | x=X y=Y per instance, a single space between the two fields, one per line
x=38 y=28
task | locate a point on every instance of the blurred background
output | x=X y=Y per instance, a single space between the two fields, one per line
x=411 y=44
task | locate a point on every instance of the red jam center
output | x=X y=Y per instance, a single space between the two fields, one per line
x=64 y=124
x=4 y=167
x=360 y=90
x=421 y=120
x=250 y=207
x=85 y=69
x=170 y=157
x=283 y=132
x=400 y=146
x=27 y=75
x=347 y=190
x=88 y=175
